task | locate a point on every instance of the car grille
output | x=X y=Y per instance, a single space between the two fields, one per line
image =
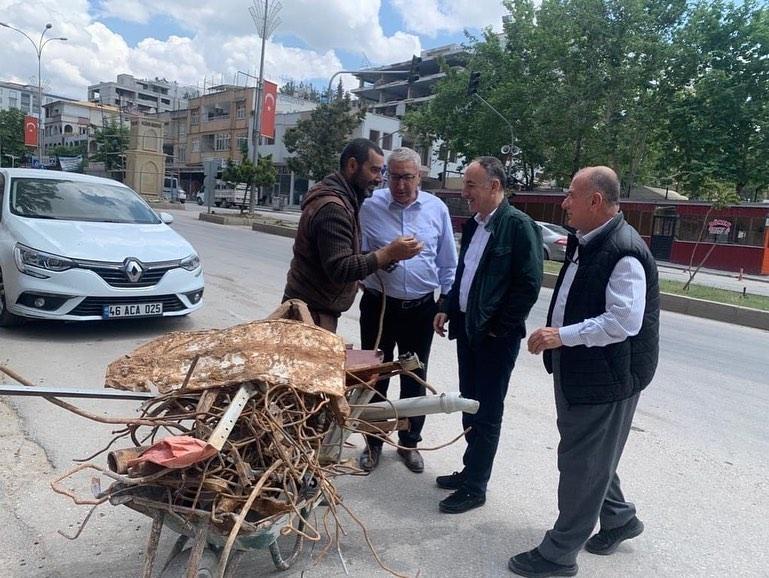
x=115 y=275
x=95 y=305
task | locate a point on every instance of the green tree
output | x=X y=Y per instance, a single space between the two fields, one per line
x=263 y=174
x=111 y=143
x=317 y=140
x=11 y=135
x=717 y=124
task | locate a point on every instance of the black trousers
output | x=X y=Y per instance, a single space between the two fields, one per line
x=484 y=374
x=408 y=326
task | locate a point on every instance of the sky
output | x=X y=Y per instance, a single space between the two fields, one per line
x=194 y=41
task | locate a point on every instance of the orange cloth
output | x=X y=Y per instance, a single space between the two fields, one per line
x=176 y=452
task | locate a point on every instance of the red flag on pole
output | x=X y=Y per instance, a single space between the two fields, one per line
x=30 y=131
x=267 y=127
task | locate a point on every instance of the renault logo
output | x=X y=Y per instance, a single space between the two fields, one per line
x=133 y=270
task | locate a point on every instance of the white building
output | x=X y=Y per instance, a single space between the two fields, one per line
x=71 y=123
x=141 y=96
x=24 y=97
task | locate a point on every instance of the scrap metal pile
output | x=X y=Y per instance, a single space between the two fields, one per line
x=240 y=438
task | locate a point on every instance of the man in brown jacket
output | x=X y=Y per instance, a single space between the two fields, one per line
x=328 y=262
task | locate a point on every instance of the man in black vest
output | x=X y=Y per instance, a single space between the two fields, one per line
x=601 y=345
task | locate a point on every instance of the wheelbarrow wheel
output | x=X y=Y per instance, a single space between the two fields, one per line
x=282 y=563
x=207 y=568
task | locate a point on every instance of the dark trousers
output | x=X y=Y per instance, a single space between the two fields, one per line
x=592 y=440
x=484 y=374
x=409 y=327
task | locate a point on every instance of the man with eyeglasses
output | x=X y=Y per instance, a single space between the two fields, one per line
x=402 y=210
x=497 y=283
x=601 y=344
x=328 y=260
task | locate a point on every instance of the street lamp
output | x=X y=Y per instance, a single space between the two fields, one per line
x=39 y=45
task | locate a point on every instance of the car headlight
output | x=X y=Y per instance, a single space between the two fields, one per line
x=190 y=263
x=27 y=257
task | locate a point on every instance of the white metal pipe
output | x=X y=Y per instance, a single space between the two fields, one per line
x=424 y=405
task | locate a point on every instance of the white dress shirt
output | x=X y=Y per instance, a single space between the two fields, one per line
x=473 y=258
x=625 y=303
x=382 y=219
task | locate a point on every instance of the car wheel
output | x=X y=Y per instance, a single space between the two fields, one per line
x=7 y=319
x=218 y=203
x=545 y=254
x=200 y=201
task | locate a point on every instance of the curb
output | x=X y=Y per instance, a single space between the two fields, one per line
x=733 y=314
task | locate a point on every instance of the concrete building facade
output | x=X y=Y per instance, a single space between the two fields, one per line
x=141 y=96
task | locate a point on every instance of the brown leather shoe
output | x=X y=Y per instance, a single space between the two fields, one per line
x=369 y=459
x=413 y=459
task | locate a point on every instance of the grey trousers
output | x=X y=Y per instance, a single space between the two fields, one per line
x=592 y=440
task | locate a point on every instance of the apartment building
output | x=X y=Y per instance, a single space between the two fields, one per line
x=24 y=97
x=141 y=96
x=72 y=123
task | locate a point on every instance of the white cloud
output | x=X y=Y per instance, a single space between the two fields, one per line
x=432 y=17
x=215 y=39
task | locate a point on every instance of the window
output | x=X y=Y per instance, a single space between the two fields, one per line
x=196 y=145
x=373 y=135
x=242 y=142
x=195 y=116
x=387 y=142
x=222 y=141
x=181 y=154
x=240 y=109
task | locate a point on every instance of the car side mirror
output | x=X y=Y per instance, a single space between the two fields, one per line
x=167 y=218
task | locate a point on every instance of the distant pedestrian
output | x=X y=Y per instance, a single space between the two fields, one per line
x=601 y=345
x=328 y=262
x=403 y=210
x=497 y=283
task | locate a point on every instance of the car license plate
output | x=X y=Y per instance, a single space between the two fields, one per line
x=133 y=310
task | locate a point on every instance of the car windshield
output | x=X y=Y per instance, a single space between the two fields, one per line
x=555 y=228
x=78 y=201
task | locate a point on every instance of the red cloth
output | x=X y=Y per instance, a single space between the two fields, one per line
x=176 y=452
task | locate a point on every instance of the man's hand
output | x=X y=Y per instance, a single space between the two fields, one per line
x=398 y=250
x=439 y=322
x=544 y=338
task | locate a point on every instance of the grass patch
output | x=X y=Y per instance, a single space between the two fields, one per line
x=697 y=291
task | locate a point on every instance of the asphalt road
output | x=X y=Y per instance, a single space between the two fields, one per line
x=695 y=463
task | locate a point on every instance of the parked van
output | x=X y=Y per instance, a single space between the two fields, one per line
x=172 y=191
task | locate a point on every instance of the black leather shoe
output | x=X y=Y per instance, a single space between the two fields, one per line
x=533 y=565
x=413 y=459
x=451 y=482
x=606 y=541
x=461 y=501
x=369 y=459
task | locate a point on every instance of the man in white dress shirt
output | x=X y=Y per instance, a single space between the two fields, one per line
x=404 y=211
x=601 y=344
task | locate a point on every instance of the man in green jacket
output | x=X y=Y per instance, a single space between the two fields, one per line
x=496 y=284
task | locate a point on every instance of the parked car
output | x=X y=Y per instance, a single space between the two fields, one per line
x=75 y=247
x=553 y=241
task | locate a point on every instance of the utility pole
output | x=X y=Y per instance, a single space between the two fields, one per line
x=265 y=16
x=39 y=45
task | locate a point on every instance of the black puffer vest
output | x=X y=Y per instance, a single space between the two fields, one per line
x=592 y=375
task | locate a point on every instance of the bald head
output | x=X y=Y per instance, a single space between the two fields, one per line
x=603 y=180
x=593 y=198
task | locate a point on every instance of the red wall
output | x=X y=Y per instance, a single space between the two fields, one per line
x=724 y=257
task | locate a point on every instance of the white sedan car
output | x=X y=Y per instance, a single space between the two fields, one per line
x=77 y=248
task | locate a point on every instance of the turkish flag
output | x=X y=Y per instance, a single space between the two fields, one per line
x=30 y=131
x=267 y=126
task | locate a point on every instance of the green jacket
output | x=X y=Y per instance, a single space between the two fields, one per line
x=507 y=282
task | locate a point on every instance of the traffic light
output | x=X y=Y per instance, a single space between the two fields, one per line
x=414 y=69
x=472 y=86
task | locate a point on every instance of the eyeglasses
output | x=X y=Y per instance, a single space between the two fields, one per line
x=405 y=178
